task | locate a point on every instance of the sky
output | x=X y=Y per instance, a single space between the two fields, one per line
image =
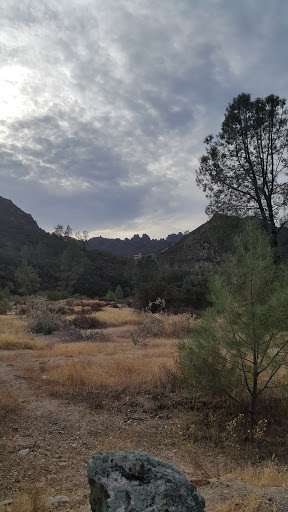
x=105 y=104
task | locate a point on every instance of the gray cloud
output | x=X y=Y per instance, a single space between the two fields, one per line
x=105 y=103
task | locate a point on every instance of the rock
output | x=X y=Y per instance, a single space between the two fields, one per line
x=131 y=481
x=24 y=452
x=55 y=501
x=5 y=503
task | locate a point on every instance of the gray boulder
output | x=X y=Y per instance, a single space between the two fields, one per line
x=131 y=481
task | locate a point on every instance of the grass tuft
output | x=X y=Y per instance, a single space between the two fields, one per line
x=270 y=474
x=14 y=334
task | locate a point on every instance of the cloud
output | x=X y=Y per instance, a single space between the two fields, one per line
x=106 y=103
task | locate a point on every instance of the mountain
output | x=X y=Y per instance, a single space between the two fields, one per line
x=202 y=249
x=134 y=245
x=11 y=214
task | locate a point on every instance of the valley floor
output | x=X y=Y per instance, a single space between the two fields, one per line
x=48 y=439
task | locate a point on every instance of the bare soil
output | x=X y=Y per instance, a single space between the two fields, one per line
x=48 y=440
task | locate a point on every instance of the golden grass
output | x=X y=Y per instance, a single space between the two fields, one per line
x=33 y=499
x=255 y=502
x=87 y=375
x=114 y=366
x=28 y=501
x=171 y=326
x=15 y=336
x=117 y=317
x=270 y=474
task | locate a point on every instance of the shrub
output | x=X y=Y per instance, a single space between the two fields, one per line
x=96 y=306
x=83 y=321
x=54 y=295
x=40 y=319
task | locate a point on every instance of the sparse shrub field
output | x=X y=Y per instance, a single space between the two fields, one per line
x=133 y=400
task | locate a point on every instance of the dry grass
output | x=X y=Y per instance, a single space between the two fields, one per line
x=87 y=375
x=28 y=501
x=33 y=499
x=270 y=474
x=117 y=317
x=15 y=336
x=254 y=503
x=9 y=402
x=107 y=365
x=171 y=326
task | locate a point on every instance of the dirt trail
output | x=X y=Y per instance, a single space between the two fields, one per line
x=48 y=441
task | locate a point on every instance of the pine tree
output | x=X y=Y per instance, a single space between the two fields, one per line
x=240 y=344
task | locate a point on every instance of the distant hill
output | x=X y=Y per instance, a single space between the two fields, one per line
x=134 y=245
x=202 y=250
x=10 y=213
x=17 y=227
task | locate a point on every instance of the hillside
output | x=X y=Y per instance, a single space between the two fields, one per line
x=135 y=245
x=32 y=260
x=203 y=247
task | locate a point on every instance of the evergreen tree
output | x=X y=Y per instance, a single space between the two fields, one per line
x=27 y=278
x=245 y=165
x=240 y=343
x=118 y=294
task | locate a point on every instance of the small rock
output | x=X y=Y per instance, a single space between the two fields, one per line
x=5 y=502
x=24 y=452
x=55 y=501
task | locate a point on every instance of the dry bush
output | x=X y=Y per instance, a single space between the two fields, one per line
x=84 y=321
x=14 y=335
x=255 y=502
x=117 y=317
x=41 y=317
x=162 y=325
x=96 y=306
x=270 y=474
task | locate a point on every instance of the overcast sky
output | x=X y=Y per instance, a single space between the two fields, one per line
x=105 y=103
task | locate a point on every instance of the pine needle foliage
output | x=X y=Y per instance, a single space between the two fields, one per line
x=241 y=342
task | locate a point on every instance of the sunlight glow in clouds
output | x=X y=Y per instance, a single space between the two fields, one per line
x=105 y=104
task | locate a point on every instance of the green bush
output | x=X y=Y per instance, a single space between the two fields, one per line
x=40 y=318
x=55 y=295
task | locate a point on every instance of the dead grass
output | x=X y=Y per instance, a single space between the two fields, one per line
x=15 y=336
x=30 y=500
x=33 y=499
x=87 y=375
x=270 y=474
x=110 y=365
x=9 y=402
x=117 y=317
x=256 y=502
x=162 y=325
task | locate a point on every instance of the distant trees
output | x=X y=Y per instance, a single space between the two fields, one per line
x=245 y=166
x=83 y=237
x=241 y=343
x=27 y=278
x=59 y=230
x=68 y=231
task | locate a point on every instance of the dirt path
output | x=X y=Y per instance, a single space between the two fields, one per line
x=48 y=440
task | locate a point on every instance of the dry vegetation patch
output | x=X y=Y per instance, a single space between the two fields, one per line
x=14 y=334
x=270 y=474
x=114 y=366
x=9 y=401
x=117 y=317
x=256 y=502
